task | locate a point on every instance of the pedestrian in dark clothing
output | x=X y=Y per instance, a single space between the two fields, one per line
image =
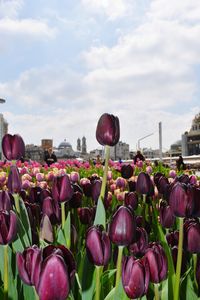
x=180 y=163
x=138 y=157
x=49 y=157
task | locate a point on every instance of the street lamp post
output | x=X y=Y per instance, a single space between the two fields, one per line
x=2 y=100
x=144 y=137
x=1 y=129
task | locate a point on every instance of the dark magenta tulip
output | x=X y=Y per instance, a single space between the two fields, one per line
x=157 y=261
x=122 y=227
x=183 y=178
x=86 y=186
x=156 y=177
x=143 y=184
x=96 y=189
x=139 y=247
x=196 y=202
x=131 y=200
x=13 y=146
x=86 y=215
x=57 y=273
x=192 y=235
x=77 y=197
x=62 y=189
x=14 y=183
x=172 y=238
x=108 y=130
x=98 y=246
x=127 y=171
x=5 y=201
x=8 y=227
x=135 y=277
x=167 y=217
x=51 y=208
x=29 y=264
x=181 y=200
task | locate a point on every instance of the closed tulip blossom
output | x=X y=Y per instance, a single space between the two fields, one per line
x=181 y=200
x=127 y=171
x=5 y=201
x=135 y=277
x=108 y=130
x=29 y=264
x=13 y=146
x=167 y=217
x=50 y=207
x=8 y=227
x=14 y=183
x=57 y=273
x=98 y=246
x=122 y=227
x=131 y=200
x=120 y=183
x=139 y=247
x=143 y=183
x=96 y=189
x=77 y=197
x=157 y=261
x=62 y=190
x=192 y=236
x=86 y=215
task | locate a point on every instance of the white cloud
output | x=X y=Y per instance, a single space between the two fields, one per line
x=10 y=8
x=27 y=27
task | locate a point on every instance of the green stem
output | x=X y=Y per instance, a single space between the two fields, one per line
x=105 y=173
x=36 y=295
x=194 y=256
x=17 y=206
x=156 y=291
x=179 y=260
x=5 y=272
x=63 y=214
x=119 y=266
x=98 y=285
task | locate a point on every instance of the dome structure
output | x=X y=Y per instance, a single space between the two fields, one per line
x=64 y=145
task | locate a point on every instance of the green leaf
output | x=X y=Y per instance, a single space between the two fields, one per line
x=107 y=275
x=120 y=293
x=67 y=230
x=190 y=293
x=88 y=280
x=61 y=237
x=100 y=217
x=29 y=292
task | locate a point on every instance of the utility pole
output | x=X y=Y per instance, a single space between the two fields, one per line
x=160 y=140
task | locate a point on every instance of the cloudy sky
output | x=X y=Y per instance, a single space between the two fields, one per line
x=64 y=63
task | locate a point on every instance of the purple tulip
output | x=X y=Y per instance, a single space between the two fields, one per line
x=86 y=186
x=86 y=215
x=156 y=177
x=122 y=227
x=135 y=277
x=181 y=200
x=108 y=130
x=96 y=189
x=51 y=208
x=29 y=264
x=196 y=202
x=57 y=273
x=167 y=217
x=14 y=183
x=157 y=261
x=120 y=183
x=131 y=200
x=98 y=246
x=163 y=185
x=143 y=183
x=139 y=247
x=127 y=171
x=5 y=201
x=13 y=146
x=192 y=235
x=62 y=189
x=8 y=227
x=172 y=238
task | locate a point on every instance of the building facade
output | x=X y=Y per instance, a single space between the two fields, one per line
x=191 y=140
x=46 y=144
x=120 y=151
x=3 y=131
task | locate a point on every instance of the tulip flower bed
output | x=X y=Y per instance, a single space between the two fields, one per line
x=75 y=230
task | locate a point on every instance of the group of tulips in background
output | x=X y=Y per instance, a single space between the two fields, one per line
x=78 y=231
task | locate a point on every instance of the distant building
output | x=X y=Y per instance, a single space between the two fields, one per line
x=3 y=131
x=78 y=147
x=35 y=153
x=46 y=144
x=65 y=150
x=120 y=151
x=176 y=149
x=191 y=139
x=84 y=146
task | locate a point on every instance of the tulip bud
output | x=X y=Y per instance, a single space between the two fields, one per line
x=120 y=183
x=74 y=177
x=192 y=235
x=96 y=189
x=28 y=264
x=157 y=261
x=108 y=130
x=127 y=171
x=86 y=186
x=167 y=217
x=131 y=200
x=193 y=180
x=172 y=173
x=13 y=146
x=86 y=215
x=76 y=199
x=149 y=170
x=5 y=201
x=57 y=273
x=181 y=200
x=135 y=277
x=184 y=178
x=143 y=183
x=8 y=227
x=14 y=183
x=61 y=189
x=98 y=246
x=50 y=207
x=141 y=244
x=122 y=227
